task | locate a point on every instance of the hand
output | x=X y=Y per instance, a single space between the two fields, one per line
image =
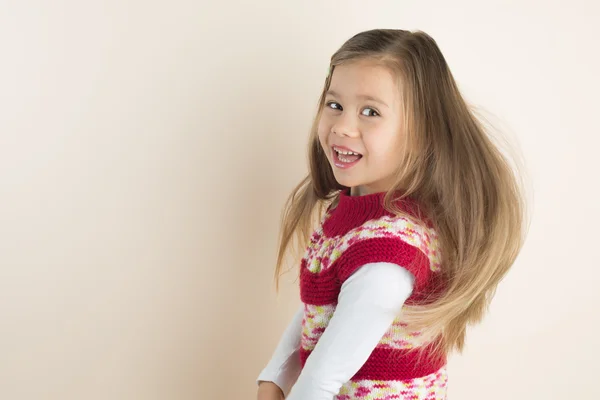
x=269 y=391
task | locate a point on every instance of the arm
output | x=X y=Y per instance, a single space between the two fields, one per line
x=369 y=301
x=284 y=367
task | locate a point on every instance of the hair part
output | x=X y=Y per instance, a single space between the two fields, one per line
x=468 y=189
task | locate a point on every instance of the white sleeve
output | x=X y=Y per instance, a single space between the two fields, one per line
x=284 y=367
x=368 y=303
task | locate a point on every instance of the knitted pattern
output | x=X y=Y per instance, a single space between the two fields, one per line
x=356 y=232
x=430 y=387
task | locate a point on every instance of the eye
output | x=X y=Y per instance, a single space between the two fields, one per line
x=370 y=112
x=334 y=106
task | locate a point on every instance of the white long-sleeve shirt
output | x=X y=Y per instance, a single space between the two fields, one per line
x=368 y=303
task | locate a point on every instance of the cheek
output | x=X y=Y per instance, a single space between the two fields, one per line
x=384 y=147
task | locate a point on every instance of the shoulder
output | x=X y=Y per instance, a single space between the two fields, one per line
x=406 y=230
x=400 y=240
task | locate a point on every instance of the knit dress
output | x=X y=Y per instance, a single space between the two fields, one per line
x=358 y=231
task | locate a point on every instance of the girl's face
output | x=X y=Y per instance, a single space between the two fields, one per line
x=360 y=127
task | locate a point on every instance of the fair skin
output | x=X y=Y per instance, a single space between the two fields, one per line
x=362 y=115
x=269 y=391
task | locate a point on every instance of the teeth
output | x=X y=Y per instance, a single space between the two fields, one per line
x=346 y=152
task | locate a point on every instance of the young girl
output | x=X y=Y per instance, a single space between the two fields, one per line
x=420 y=218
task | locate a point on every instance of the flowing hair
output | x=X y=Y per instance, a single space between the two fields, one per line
x=472 y=196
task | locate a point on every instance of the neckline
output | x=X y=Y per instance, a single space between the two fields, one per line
x=353 y=211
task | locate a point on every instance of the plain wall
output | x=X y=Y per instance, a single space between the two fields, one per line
x=146 y=150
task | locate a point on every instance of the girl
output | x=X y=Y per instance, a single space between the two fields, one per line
x=422 y=217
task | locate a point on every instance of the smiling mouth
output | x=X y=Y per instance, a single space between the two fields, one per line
x=345 y=158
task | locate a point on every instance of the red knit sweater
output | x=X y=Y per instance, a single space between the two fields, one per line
x=356 y=232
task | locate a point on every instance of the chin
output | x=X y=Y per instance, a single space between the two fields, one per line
x=346 y=181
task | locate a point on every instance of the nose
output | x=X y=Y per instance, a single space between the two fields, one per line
x=345 y=125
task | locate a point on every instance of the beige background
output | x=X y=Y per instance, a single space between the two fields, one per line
x=146 y=148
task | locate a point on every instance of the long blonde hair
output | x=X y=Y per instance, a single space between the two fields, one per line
x=472 y=195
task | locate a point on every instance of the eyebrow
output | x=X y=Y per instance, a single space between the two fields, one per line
x=360 y=96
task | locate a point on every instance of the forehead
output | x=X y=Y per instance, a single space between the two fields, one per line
x=364 y=77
